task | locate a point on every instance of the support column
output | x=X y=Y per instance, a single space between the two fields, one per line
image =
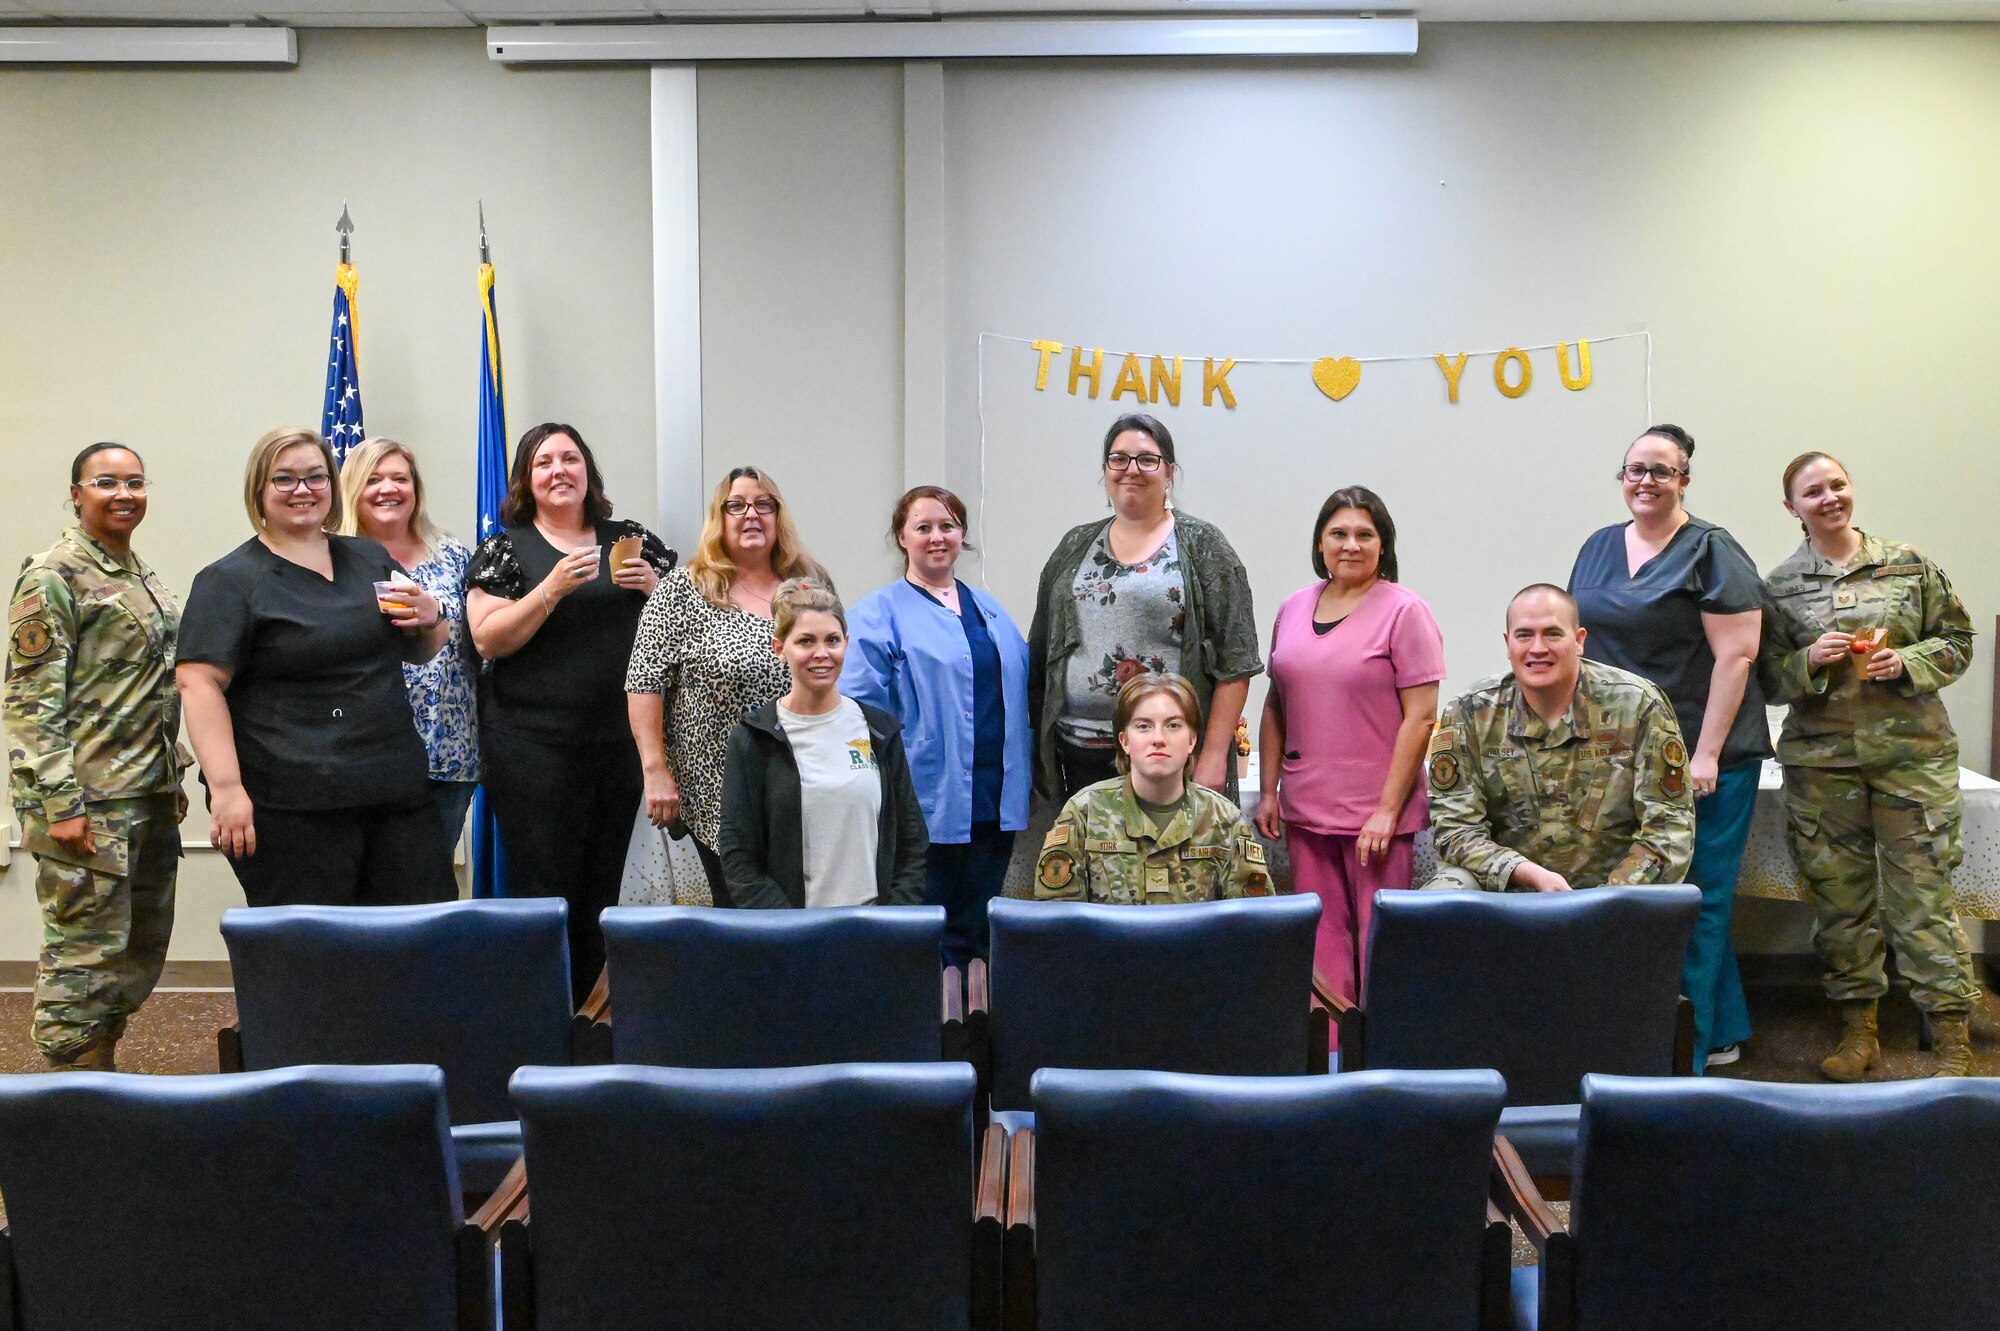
x=923 y=274
x=677 y=306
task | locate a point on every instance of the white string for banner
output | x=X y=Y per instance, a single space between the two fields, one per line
x=1645 y=334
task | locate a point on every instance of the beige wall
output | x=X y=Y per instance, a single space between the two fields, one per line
x=1802 y=216
x=166 y=253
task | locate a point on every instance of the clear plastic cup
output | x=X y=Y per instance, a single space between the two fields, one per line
x=393 y=596
x=597 y=560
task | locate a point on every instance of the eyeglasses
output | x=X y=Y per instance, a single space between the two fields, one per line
x=111 y=485
x=764 y=504
x=1122 y=461
x=1659 y=471
x=284 y=482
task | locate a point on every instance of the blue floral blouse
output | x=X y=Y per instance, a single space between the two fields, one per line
x=442 y=693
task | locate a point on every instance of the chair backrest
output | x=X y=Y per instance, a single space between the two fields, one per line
x=837 y=1198
x=1717 y=1203
x=695 y=987
x=312 y=1196
x=1282 y=1203
x=1219 y=987
x=477 y=987
x=1542 y=987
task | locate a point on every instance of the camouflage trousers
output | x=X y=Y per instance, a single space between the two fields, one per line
x=1876 y=847
x=106 y=919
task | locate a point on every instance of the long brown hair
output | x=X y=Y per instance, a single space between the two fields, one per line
x=711 y=568
x=519 y=505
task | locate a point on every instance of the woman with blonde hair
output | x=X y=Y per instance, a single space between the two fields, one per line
x=290 y=671
x=704 y=656
x=818 y=807
x=382 y=492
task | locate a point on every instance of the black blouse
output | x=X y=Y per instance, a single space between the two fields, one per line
x=316 y=696
x=567 y=682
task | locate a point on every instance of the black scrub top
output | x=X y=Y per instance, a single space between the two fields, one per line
x=1650 y=623
x=567 y=682
x=316 y=696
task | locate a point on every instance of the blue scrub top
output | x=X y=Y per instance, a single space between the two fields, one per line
x=916 y=660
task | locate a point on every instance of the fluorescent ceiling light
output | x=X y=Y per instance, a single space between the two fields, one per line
x=149 y=46
x=956 y=38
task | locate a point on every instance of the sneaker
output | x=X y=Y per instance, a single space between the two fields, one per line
x=1724 y=1056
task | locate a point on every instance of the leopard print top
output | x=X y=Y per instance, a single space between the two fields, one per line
x=713 y=663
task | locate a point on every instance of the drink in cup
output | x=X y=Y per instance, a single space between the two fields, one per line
x=591 y=569
x=393 y=595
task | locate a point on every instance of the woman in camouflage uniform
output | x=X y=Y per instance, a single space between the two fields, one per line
x=92 y=718
x=1152 y=836
x=1871 y=763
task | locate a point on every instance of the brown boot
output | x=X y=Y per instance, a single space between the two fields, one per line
x=100 y=1055
x=1951 y=1043
x=1858 y=1050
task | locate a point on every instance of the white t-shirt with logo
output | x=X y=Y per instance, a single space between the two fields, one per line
x=840 y=797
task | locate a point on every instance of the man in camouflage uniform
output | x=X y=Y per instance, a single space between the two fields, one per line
x=92 y=716
x=1871 y=783
x=1105 y=848
x=1563 y=773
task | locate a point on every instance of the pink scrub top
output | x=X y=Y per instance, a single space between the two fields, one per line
x=1338 y=695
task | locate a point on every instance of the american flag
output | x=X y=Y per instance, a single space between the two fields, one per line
x=340 y=417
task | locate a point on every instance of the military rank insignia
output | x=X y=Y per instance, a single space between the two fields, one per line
x=1444 y=771
x=32 y=639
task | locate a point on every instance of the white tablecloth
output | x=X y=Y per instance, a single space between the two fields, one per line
x=1768 y=870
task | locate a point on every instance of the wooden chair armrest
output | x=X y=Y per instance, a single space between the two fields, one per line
x=954 y=1042
x=512 y=1192
x=1018 y=1262
x=979 y=1034
x=597 y=1004
x=989 y=1229
x=229 y=1048
x=1328 y=999
x=477 y=1243
x=1684 y=1037
x=1515 y=1193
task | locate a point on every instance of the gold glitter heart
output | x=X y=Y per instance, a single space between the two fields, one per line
x=1337 y=376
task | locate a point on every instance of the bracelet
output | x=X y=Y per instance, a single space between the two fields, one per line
x=547 y=607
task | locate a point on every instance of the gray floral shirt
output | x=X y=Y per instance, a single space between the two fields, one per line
x=1132 y=618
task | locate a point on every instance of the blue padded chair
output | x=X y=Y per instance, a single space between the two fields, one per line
x=837 y=1198
x=305 y=1197
x=694 y=987
x=1219 y=987
x=1168 y=1201
x=1542 y=987
x=1745 y=1204
x=477 y=987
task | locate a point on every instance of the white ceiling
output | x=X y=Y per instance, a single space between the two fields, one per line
x=460 y=13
